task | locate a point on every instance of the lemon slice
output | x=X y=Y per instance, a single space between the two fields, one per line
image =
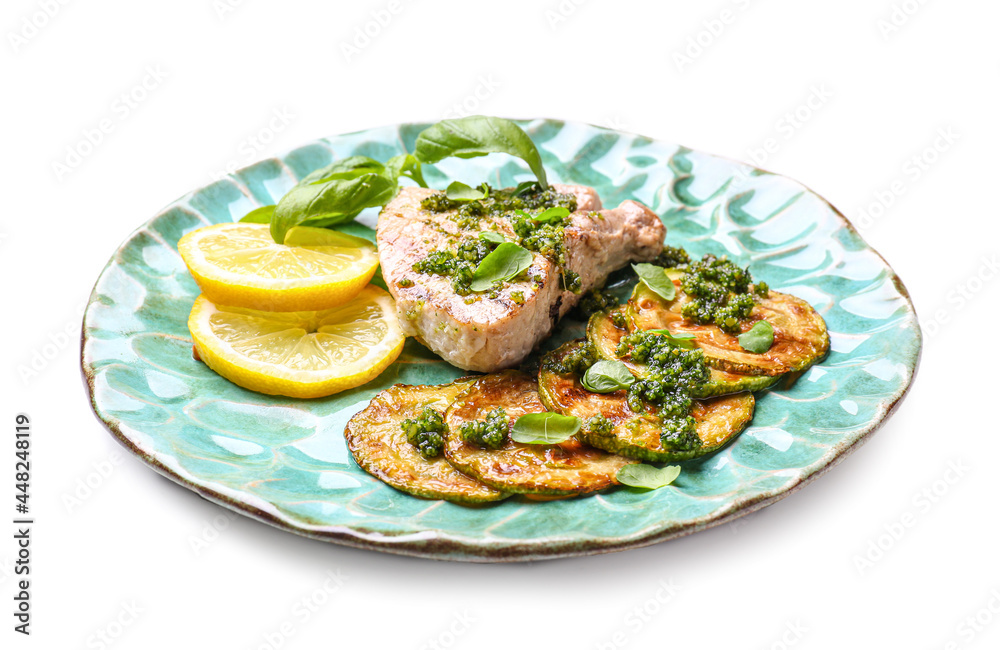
x=239 y=264
x=299 y=354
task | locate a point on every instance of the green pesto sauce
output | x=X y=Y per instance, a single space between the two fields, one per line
x=599 y=424
x=499 y=203
x=575 y=363
x=489 y=433
x=673 y=374
x=721 y=293
x=571 y=281
x=459 y=265
x=547 y=238
x=594 y=301
x=426 y=433
x=672 y=257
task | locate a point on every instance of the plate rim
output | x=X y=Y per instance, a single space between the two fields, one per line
x=439 y=545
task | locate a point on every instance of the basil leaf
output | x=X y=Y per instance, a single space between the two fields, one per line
x=492 y=237
x=333 y=201
x=478 y=135
x=646 y=476
x=405 y=164
x=459 y=191
x=680 y=340
x=758 y=338
x=506 y=261
x=544 y=428
x=607 y=377
x=345 y=168
x=656 y=279
x=557 y=213
x=260 y=215
x=328 y=221
x=523 y=187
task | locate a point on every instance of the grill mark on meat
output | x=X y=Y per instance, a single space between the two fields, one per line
x=554 y=310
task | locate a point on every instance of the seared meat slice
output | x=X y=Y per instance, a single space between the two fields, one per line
x=477 y=332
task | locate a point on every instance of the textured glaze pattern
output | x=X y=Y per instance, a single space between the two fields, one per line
x=286 y=461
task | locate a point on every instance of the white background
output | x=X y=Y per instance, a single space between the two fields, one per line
x=792 y=575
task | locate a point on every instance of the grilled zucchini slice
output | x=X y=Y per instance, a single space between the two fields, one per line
x=637 y=435
x=376 y=439
x=800 y=335
x=568 y=468
x=605 y=335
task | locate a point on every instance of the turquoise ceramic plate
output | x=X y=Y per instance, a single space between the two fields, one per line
x=285 y=462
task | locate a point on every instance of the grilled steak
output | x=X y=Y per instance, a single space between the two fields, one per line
x=484 y=333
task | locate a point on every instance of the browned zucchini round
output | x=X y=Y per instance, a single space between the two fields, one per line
x=606 y=336
x=800 y=335
x=637 y=435
x=565 y=469
x=376 y=439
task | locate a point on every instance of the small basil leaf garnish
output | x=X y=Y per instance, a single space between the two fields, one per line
x=757 y=339
x=492 y=237
x=680 y=340
x=544 y=428
x=656 y=279
x=478 y=135
x=330 y=201
x=552 y=214
x=506 y=261
x=260 y=215
x=459 y=191
x=647 y=477
x=523 y=187
x=607 y=376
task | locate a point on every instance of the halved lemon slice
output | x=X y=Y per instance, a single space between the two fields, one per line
x=299 y=354
x=239 y=264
